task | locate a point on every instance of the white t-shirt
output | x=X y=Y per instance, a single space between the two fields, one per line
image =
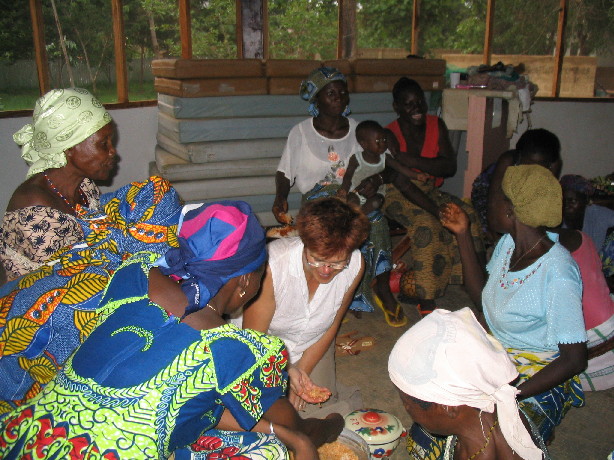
x=310 y=158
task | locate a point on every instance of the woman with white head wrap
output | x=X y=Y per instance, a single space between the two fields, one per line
x=531 y=295
x=68 y=145
x=454 y=379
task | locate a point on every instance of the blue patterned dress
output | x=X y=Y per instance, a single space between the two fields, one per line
x=144 y=384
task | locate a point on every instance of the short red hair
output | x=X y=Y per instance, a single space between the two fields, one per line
x=330 y=226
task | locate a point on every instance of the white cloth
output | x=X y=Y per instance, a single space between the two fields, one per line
x=448 y=358
x=365 y=170
x=297 y=321
x=599 y=375
x=305 y=160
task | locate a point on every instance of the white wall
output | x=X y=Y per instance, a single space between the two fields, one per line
x=136 y=141
x=586 y=131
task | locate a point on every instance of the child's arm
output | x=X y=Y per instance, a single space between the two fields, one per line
x=402 y=169
x=347 y=177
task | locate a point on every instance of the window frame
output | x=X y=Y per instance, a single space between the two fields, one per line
x=346 y=47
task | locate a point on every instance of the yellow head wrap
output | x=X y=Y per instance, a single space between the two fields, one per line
x=535 y=193
x=62 y=119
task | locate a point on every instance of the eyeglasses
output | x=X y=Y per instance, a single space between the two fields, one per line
x=333 y=265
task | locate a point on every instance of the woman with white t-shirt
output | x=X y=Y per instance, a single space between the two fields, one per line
x=315 y=159
x=308 y=285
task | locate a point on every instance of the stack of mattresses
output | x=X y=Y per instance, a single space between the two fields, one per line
x=370 y=75
x=221 y=136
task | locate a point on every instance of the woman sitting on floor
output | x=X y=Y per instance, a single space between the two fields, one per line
x=68 y=146
x=61 y=240
x=315 y=160
x=309 y=283
x=532 y=298
x=162 y=370
x=422 y=143
x=455 y=380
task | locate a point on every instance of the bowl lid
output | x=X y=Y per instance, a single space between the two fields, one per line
x=374 y=425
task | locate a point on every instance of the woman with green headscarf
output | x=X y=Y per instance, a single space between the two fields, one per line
x=532 y=297
x=68 y=146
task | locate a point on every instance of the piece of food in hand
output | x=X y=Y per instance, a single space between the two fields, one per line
x=317 y=394
x=285 y=218
x=282 y=231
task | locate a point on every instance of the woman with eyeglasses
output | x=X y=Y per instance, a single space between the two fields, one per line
x=315 y=161
x=308 y=285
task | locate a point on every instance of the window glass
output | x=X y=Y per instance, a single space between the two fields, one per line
x=18 y=76
x=588 y=66
x=383 y=28
x=152 y=32
x=302 y=29
x=80 y=46
x=451 y=27
x=524 y=34
x=213 y=29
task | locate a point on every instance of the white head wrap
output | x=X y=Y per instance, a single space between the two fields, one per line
x=447 y=358
x=62 y=118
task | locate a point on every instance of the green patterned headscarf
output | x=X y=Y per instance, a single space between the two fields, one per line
x=535 y=193
x=62 y=119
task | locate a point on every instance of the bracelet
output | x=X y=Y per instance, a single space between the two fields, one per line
x=271 y=428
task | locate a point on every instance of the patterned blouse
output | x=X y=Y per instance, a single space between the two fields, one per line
x=30 y=236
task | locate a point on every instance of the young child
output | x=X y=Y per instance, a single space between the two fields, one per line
x=372 y=160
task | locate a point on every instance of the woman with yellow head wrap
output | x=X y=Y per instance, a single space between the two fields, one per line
x=68 y=145
x=531 y=297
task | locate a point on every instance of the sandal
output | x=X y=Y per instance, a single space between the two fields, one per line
x=388 y=316
x=352 y=346
x=425 y=311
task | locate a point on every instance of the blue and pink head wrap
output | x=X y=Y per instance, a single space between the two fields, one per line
x=217 y=242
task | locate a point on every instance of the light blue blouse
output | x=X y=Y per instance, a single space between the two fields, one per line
x=538 y=307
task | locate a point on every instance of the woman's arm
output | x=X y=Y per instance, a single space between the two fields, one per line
x=282 y=189
x=347 y=178
x=402 y=169
x=456 y=220
x=259 y=314
x=414 y=194
x=571 y=361
x=302 y=437
x=444 y=165
x=314 y=353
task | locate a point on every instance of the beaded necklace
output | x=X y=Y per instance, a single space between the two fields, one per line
x=486 y=443
x=507 y=283
x=58 y=193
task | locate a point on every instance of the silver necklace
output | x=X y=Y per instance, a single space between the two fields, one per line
x=526 y=252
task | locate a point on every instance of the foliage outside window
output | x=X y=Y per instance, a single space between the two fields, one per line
x=83 y=53
x=302 y=29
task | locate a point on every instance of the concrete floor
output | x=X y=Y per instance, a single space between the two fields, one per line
x=586 y=433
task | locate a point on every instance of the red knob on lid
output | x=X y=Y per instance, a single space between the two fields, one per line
x=372 y=417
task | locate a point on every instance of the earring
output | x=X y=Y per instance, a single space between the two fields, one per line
x=242 y=293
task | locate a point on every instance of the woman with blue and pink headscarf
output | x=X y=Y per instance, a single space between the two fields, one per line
x=163 y=372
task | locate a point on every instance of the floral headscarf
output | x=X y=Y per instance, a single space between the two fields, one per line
x=62 y=119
